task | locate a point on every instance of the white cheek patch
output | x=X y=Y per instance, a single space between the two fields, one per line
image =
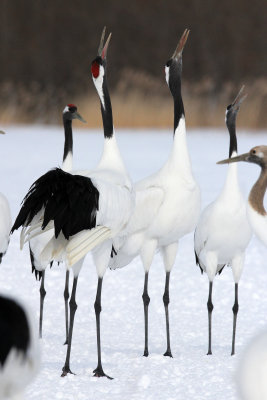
x=260 y=154
x=66 y=109
x=99 y=85
x=167 y=74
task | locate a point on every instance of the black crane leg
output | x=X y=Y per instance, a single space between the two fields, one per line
x=99 y=372
x=166 y=301
x=73 y=308
x=66 y=298
x=235 y=311
x=42 y=296
x=210 y=308
x=146 y=301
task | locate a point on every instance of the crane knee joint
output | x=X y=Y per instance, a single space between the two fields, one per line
x=210 y=306
x=98 y=307
x=235 y=308
x=146 y=299
x=166 y=299
x=73 y=305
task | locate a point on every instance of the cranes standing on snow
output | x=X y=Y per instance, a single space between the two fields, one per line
x=223 y=232
x=37 y=243
x=167 y=203
x=87 y=212
x=66 y=214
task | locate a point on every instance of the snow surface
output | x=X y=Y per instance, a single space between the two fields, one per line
x=25 y=154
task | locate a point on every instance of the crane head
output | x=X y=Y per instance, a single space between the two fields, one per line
x=174 y=64
x=99 y=63
x=234 y=107
x=257 y=155
x=70 y=113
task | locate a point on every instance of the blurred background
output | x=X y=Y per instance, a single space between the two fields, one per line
x=46 y=48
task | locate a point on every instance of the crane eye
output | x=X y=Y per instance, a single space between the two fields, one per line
x=253 y=151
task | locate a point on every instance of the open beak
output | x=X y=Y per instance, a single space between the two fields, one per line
x=179 y=49
x=242 y=157
x=78 y=116
x=239 y=99
x=102 y=50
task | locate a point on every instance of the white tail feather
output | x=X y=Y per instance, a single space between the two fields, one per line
x=85 y=242
x=34 y=231
x=88 y=242
x=33 y=227
x=84 y=235
x=53 y=250
x=22 y=237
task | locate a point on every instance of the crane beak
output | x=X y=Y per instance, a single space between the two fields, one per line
x=76 y=115
x=239 y=99
x=102 y=50
x=2 y=132
x=242 y=157
x=179 y=49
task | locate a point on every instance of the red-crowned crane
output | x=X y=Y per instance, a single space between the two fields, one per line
x=167 y=203
x=223 y=232
x=87 y=212
x=37 y=243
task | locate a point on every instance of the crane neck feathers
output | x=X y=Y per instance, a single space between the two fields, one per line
x=111 y=158
x=231 y=189
x=179 y=157
x=68 y=146
x=67 y=162
x=231 y=125
x=256 y=196
x=106 y=108
x=178 y=102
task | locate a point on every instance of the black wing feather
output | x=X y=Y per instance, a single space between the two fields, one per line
x=38 y=274
x=70 y=201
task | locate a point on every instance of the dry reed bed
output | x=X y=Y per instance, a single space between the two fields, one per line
x=138 y=101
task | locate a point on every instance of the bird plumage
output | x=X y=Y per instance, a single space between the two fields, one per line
x=223 y=232
x=256 y=212
x=167 y=202
x=102 y=201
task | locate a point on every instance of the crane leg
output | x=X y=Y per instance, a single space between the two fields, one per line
x=66 y=298
x=210 y=308
x=99 y=372
x=235 y=311
x=73 y=308
x=166 y=301
x=42 y=296
x=146 y=301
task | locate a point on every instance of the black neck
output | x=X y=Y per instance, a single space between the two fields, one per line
x=107 y=112
x=175 y=88
x=230 y=122
x=68 y=146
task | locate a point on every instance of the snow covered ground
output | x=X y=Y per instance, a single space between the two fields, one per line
x=26 y=153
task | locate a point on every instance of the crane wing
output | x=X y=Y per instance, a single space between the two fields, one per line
x=148 y=202
x=59 y=195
